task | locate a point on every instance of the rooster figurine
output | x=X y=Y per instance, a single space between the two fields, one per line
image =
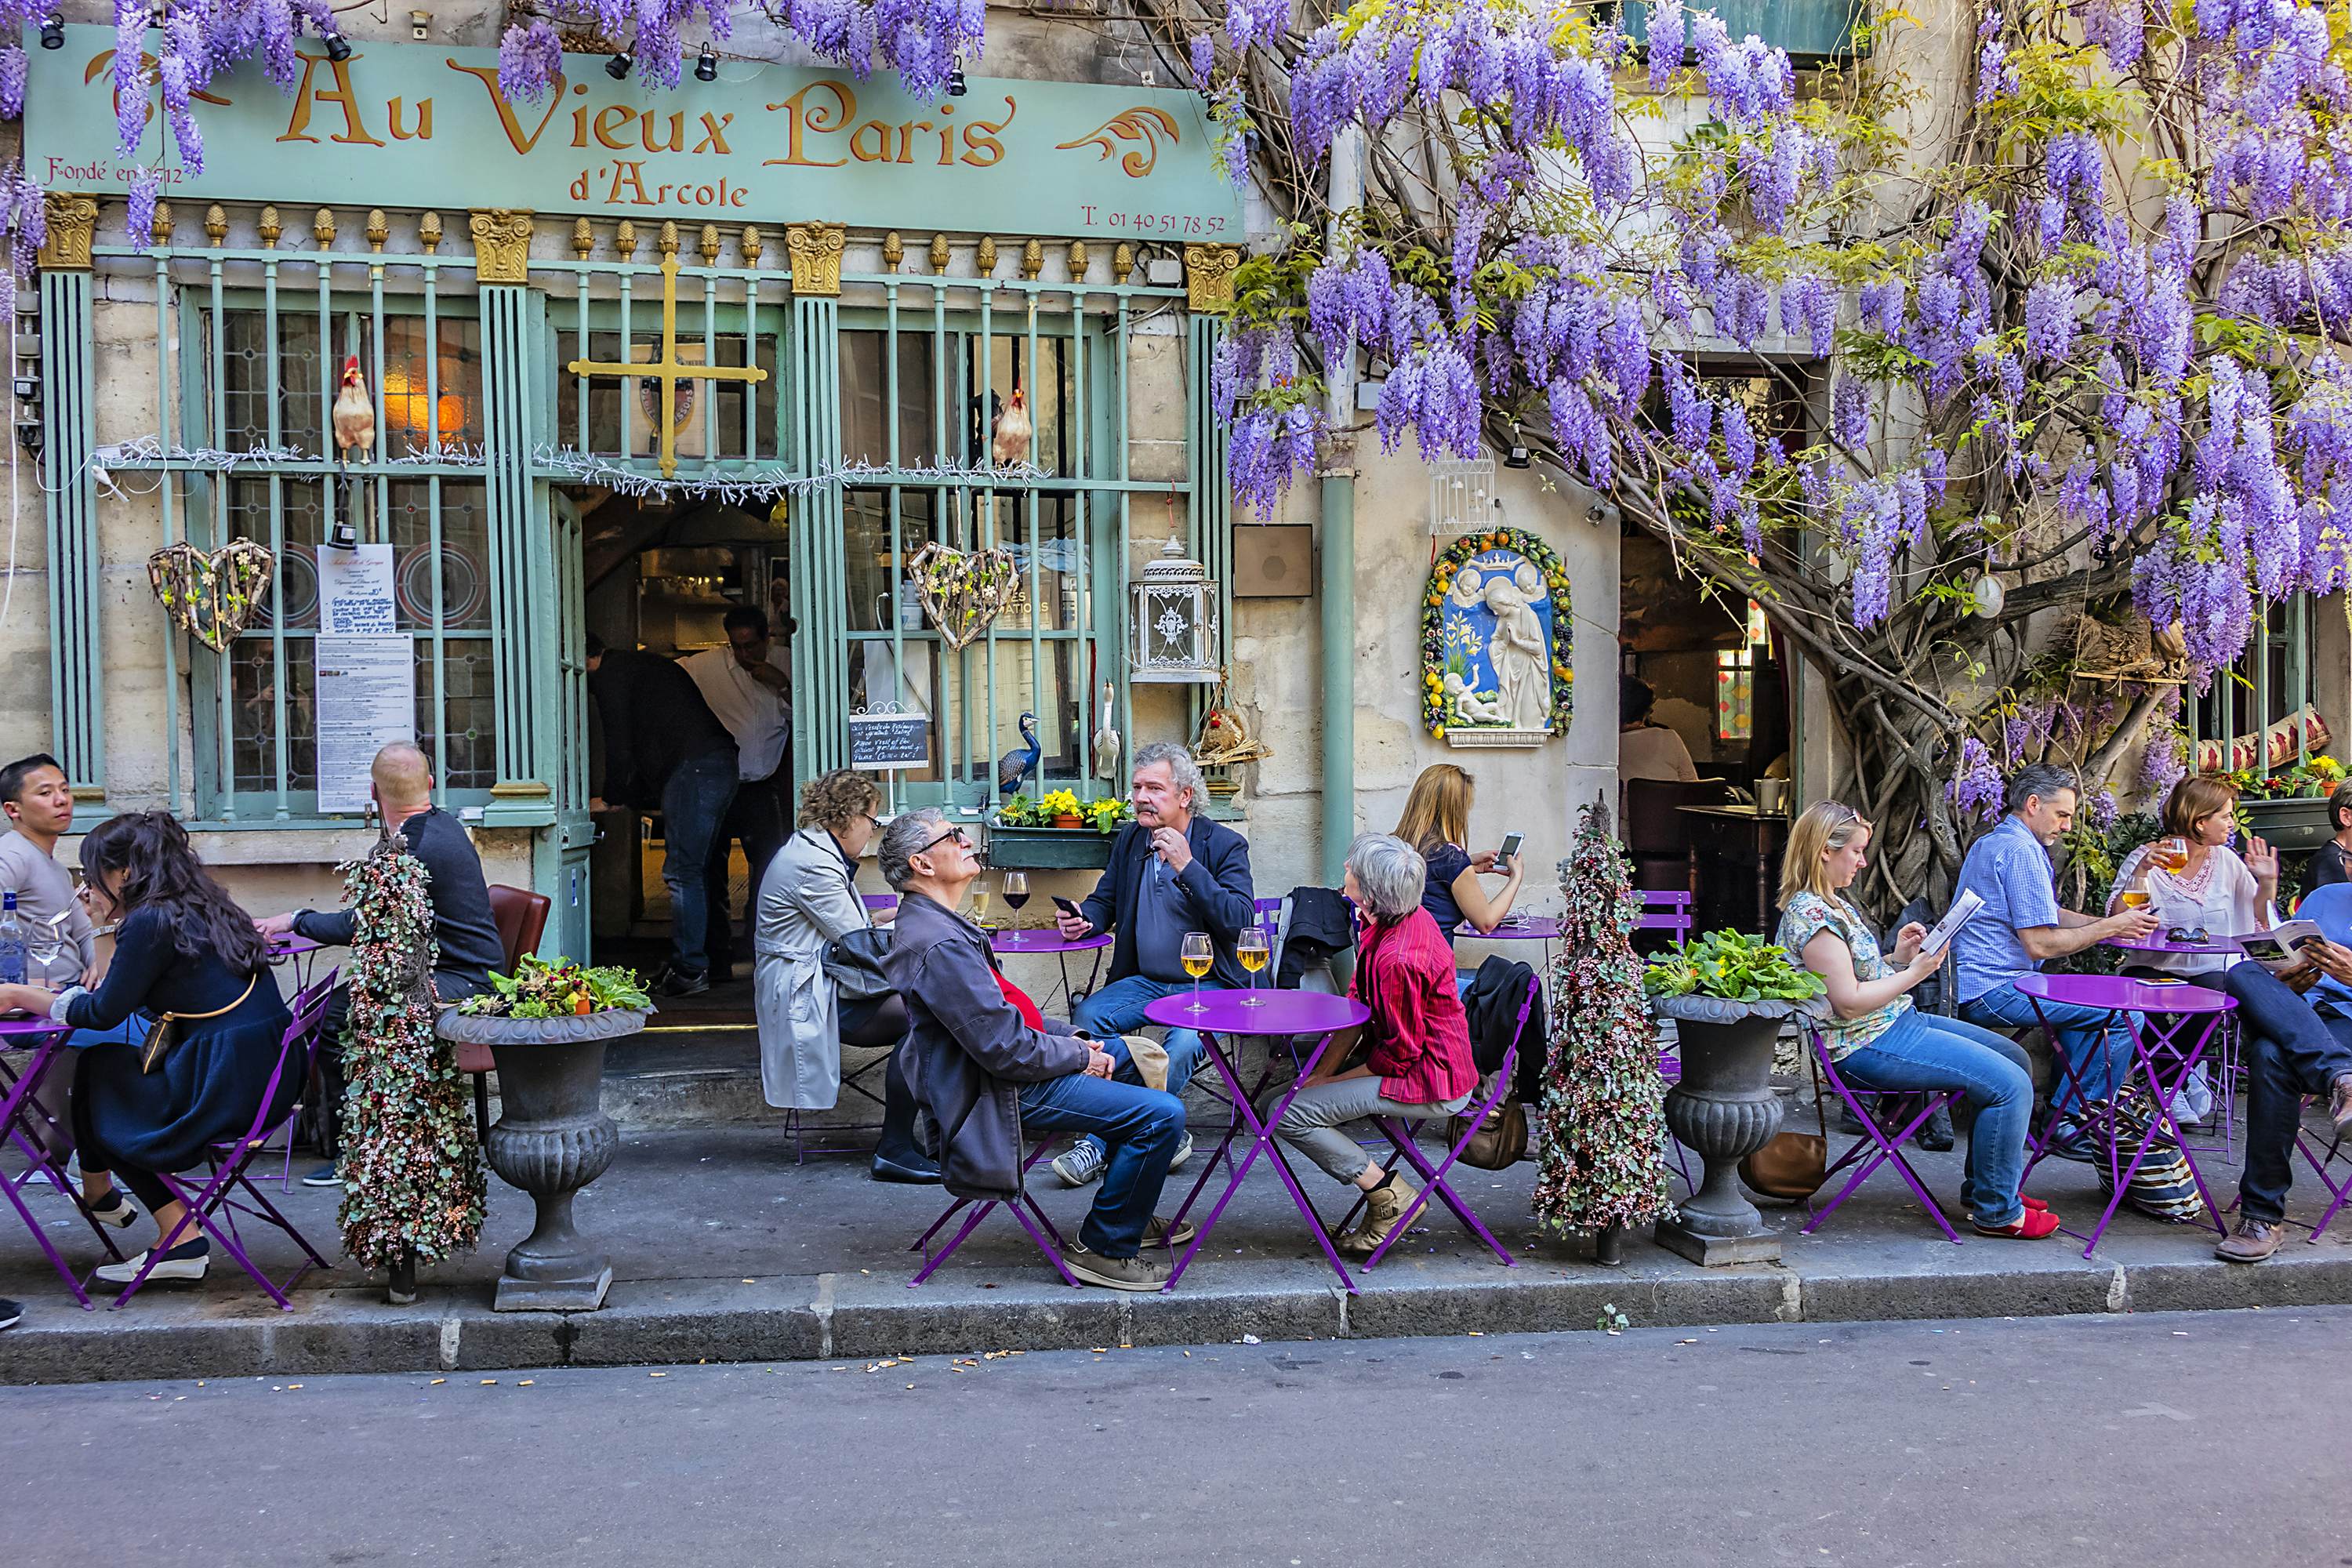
x=354 y=413
x=1011 y=445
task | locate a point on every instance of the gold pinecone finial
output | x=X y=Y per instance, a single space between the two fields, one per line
x=669 y=241
x=217 y=223
x=428 y=231
x=624 y=240
x=378 y=229
x=708 y=245
x=271 y=228
x=323 y=228
x=939 y=253
x=1122 y=263
x=584 y=238
x=1078 y=261
x=752 y=246
x=987 y=255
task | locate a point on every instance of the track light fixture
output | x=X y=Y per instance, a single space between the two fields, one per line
x=617 y=67
x=53 y=30
x=705 y=68
x=339 y=48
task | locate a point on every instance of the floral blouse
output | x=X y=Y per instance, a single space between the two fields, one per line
x=1808 y=915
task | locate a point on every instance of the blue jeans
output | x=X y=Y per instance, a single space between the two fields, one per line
x=1118 y=1008
x=132 y=1031
x=694 y=802
x=1143 y=1126
x=1923 y=1051
x=2292 y=1051
x=2097 y=1043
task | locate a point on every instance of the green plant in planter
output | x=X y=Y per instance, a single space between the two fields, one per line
x=1061 y=803
x=1019 y=812
x=1106 y=815
x=1731 y=965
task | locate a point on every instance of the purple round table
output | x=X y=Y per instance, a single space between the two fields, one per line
x=1280 y=1014
x=298 y=951
x=1046 y=941
x=2164 y=1010
x=2160 y=943
x=1514 y=928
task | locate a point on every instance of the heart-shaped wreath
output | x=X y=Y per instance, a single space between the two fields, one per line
x=215 y=594
x=963 y=593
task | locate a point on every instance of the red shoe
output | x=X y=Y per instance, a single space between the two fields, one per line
x=2036 y=1205
x=2033 y=1225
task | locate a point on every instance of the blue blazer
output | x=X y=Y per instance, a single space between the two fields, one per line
x=1216 y=888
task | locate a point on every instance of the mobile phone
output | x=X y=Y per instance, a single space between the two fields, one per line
x=1511 y=842
x=1067 y=907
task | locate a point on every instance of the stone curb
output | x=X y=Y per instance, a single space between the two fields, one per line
x=869 y=1317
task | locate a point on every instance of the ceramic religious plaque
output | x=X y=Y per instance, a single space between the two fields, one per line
x=1495 y=642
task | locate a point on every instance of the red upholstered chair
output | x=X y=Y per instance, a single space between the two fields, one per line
x=522 y=917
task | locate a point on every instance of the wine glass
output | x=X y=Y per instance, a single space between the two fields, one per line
x=1251 y=949
x=1199 y=957
x=1015 y=890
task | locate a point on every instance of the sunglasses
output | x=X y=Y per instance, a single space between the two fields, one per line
x=957 y=834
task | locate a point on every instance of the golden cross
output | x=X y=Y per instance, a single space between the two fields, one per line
x=667 y=369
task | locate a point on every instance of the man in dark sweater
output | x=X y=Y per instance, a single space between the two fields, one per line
x=666 y=750
x=466 y=945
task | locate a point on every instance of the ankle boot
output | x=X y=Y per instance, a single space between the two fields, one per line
x=1384 y=1207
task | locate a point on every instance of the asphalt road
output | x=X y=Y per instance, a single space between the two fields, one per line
x=2199 y=1438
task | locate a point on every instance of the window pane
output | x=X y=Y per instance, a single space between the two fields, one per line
x=875 y=580
x=409 y=399
x=252 y=711
x=1048 y=394
x=245 y=381
x=469 y=705
x=732 y=400
x=304 y=524
x=873 y=680
x=463 y=570
x=1057 y=556
x=864 y=388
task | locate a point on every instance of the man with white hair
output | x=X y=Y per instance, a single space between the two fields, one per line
x=466 y=945
x=1171 y=871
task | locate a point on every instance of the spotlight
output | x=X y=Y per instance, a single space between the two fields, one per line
x=28 y=435
x=617 y=67
x=956 y=87
x=1517 y=457
x=339 y=49
x=28 y=388
x=341 y=536
x=53 y=30
x=707 y=68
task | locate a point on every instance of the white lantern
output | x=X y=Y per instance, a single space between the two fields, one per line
x=1175 y=621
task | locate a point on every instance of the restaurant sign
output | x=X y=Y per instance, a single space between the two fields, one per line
x=404 y=125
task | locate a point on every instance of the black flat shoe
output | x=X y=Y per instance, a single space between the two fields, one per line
x=913 y=1171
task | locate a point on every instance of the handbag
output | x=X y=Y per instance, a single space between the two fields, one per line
x=1501 y=1140
x=853 y=962
x=164 y=1036
x=1792 y=1166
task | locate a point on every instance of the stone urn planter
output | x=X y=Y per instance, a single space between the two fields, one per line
x=552 y=1138
x=1724 y=1107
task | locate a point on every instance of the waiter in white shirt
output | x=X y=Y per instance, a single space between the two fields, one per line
x=747 y=684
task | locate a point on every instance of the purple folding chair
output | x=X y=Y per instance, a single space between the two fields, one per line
x=33 y=1117
x=227 y=1186
x=2321 y=1158
x=1025 y=1209
x=1669 y=909
x=1398 y=1133
x=1878 y=1145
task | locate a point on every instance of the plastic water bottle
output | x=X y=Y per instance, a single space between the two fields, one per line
x=11 y=941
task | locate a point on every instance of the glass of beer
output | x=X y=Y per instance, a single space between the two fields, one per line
x=2169 y=855
x=1251 y=949
x=1199 y=958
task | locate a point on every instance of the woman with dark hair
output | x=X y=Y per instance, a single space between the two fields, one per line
x=183 y=948
x=1647 y=751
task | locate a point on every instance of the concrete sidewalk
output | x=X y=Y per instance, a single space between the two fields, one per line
x=723 y=1249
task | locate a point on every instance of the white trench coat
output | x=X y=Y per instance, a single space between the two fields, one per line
x=807 y=898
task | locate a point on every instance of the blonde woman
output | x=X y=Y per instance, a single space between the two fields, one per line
x=1880 y=1041
x=1436 y=823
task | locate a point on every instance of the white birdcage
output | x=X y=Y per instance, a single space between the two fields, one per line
x=1461 y=496
x=1175 y=620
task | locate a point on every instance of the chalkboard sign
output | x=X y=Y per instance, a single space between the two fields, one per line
x=879 y=743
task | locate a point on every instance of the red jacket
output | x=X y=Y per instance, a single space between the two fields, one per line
x=1420 y=1039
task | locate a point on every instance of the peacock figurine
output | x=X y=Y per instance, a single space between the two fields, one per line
x=1016 y=767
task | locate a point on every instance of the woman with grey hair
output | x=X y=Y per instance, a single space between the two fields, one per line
x=1419 y=1065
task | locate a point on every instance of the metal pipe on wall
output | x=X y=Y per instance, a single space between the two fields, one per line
x=1336 y=575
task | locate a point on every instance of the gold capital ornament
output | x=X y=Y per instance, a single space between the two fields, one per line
x=72 y=226
x=1209 y=276
x=501 y=246
x=815 y=249
x=669 y=370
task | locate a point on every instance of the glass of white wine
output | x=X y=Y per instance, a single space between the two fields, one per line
x=979 y=904
x=1199 y=957
x=1251 y=949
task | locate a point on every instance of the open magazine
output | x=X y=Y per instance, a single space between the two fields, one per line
x=2280 y=948
x=1962 y=908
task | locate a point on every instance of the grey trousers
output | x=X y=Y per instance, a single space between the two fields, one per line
x=1311 y=1127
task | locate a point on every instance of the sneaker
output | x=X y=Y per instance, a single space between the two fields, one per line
x=10 y=1313
x=1081 y=1163
x=2033 y=1224
x=2339 y=1105
x=1138 y=1273
x=1183 y=1153
x=330 y=1174
x=2250 y=1240
x=185 y=1263
x=2076 y=1141
x=1156 y=1233
x=113 y=1209
x=676 y=982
